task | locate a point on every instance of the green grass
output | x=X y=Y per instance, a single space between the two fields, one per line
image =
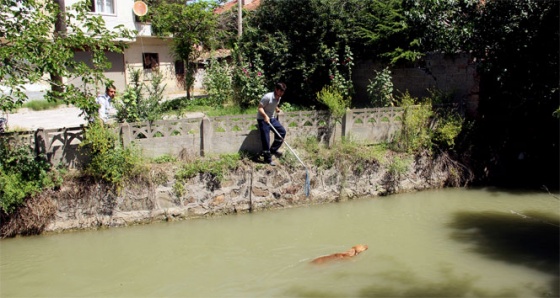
x=355 y=152
x=41 y=105
x=214 y=165
x=182 y=105
x=230 y=110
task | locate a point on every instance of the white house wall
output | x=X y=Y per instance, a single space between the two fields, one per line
x=116 y=73
x=133 y=60
x=142 y=43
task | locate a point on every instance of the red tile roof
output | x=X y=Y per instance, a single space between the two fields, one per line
x=229 y=5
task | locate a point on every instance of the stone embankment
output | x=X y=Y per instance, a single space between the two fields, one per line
x=253 y=187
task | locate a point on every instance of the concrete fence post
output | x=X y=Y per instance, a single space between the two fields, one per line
x=126 y=134
x=206 y=133
x=346 y=123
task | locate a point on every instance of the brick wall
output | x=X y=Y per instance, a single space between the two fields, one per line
x=451 y=74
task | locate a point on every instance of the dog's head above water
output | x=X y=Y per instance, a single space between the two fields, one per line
x=359 y=248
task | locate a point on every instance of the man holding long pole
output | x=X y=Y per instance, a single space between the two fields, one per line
x=268 y=106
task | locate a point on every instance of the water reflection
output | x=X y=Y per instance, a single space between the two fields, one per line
x=531 y=239
x=449 y=284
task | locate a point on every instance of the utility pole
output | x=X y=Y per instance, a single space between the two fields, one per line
x=239 y=26
x=240 y=18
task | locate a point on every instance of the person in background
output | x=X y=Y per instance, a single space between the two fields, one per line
x=268 y=106
x=3 y=124
x=105 y=102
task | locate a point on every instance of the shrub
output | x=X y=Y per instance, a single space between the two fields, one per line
x=288 y=107
x=447 y=129
x=447 y=122
x=150 y=107
x=340 y=72
x=109 y=162
x=380 y=90
x=310 y=145
x=334 y=100
x=22 y=175
x=127 y=106
x=249 y=83
x=218 y=82
x=133 y=106
x=415 y=134
x=424 y=128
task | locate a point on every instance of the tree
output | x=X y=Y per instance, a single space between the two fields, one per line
x=192 y=27
x=318 y=34
x=38 y=40
x=229 y=26
x=517 y=136
x=384 y=26
x=442 y=26
x=515 y=45
x=299 y=49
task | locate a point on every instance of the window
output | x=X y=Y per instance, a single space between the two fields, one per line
x=103 y=6
x=150 y=60
x=179 y=67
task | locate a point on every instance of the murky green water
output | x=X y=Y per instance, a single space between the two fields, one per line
x=445 y=243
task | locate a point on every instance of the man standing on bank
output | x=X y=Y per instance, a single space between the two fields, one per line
x=268 y=106
x=105 y=103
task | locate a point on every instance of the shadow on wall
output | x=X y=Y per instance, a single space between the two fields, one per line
x=252 y=143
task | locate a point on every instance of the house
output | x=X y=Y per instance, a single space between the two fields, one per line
x=145 y=51
x=247 y=4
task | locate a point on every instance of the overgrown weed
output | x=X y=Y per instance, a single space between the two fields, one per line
x=110 y=161
x=425 y=127
x=346 y=151
x=215 y=166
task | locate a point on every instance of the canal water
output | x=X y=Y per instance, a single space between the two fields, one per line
x=440 y=243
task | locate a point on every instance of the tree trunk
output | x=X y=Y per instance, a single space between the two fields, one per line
x=59 y=31
x=189 y=77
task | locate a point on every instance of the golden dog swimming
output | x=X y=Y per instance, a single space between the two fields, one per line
x=354 y=251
